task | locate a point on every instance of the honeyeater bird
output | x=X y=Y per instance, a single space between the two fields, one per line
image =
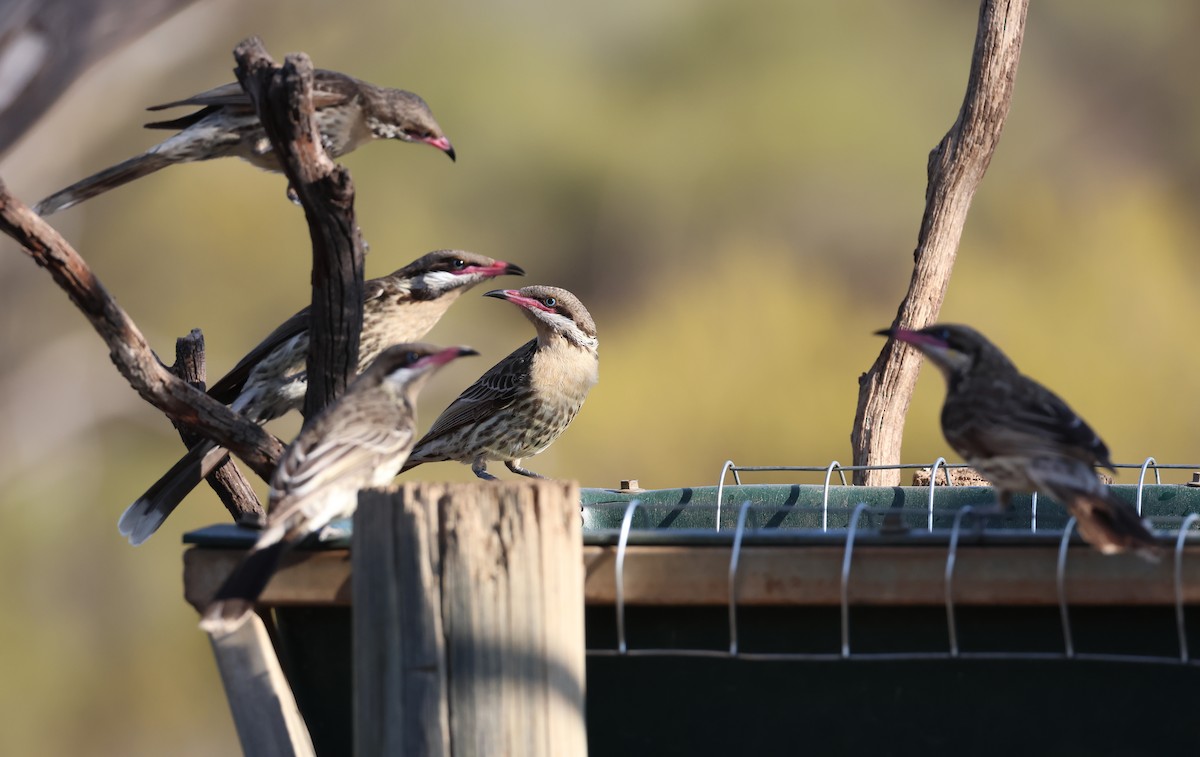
x=524 y=402
x=272 y=379
x=359 y=441
x=349 y=113
x=1023 y=438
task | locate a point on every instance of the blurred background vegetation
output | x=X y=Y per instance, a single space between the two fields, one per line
x=733 y=189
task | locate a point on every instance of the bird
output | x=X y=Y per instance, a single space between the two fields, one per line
x=359 y=441
x=349 y=113
x=1022 y=437
x=524 y=402
x=272 y=380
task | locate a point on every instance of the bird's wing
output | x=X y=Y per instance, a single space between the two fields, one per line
x=496 y=389
x=230 y=94
x=1045 y=414
x=1018 y=416
x=329 y=88
x=231 y=384
x=352 y=456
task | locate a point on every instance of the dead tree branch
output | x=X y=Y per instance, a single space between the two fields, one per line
x=226 y=480
x=283 y=98
x=127 y=346
x=956 y=167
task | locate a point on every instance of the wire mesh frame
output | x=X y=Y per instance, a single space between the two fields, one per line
x=730 y=467
x=953 y=651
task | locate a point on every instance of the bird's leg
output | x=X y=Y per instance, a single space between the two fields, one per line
x=479 y=468
x=515 y=467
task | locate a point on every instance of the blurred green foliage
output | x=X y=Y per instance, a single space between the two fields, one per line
x=733 y=189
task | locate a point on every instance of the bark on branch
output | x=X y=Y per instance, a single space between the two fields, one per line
x=283 y=98
x=956 y=167
x=227 y=481
x=128 y=347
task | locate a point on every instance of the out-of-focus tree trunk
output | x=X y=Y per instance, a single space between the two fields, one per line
x=956 y=168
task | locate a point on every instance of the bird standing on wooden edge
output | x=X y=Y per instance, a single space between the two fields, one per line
x=1024 y=438
x=357 y=442
x=523 y=403
x=349 y=113
x=272 y=379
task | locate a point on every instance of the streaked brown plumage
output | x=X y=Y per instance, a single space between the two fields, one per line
x=357 y=442
x=524 y=402
x=1023 y=438
x=349 y=112
x=271 y=379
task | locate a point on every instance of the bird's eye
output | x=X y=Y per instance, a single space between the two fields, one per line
x=458 y=263
x=411 y=357
x=549 y=302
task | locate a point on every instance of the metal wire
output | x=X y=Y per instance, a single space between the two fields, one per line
x=954 y=651
x=726 y=468
x=948 y=579
x=893 y=656
x=619 y=572
x=825 y=492
x=1142 y=481
x=734 y=557
x=845 y=587
x=941 y=461
x=1060 y=578
x=1180 y=621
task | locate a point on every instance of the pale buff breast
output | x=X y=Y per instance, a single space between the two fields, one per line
x=563 y=375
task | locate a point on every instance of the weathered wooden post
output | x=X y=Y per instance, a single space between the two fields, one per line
x=264 y=710
x=468 y=620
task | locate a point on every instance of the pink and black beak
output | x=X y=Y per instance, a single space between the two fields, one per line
x=442 y=357
x=918 y=339
x=442 y=144
x=515 y=297
x=936 y=347
x=498 y=268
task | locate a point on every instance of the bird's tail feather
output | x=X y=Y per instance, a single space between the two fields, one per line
x=141 y=519
x=1112 y=525
x=99 y=183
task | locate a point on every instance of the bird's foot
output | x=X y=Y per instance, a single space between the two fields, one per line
x=515 y=467
x=479 y=468
x=293 y=195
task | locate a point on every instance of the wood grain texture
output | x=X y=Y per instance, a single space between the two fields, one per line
x=226 y=480
x=956 y=167
x=493 y=661
x=781 y=576
x=282 y=96
x=264 y=710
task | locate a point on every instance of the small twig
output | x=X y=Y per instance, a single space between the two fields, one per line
x=956 y=167
x=128 y=347
x=227 y=481
x=283 y=98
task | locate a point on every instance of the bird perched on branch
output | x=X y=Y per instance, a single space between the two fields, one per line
x=272 y=379
x=349 y=113
x=524 y=402
x=357 y=442
x=1023 y=438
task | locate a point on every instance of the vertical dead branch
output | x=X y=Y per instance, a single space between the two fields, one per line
x=227 y=481
x=283 y=98
x=956 y=167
